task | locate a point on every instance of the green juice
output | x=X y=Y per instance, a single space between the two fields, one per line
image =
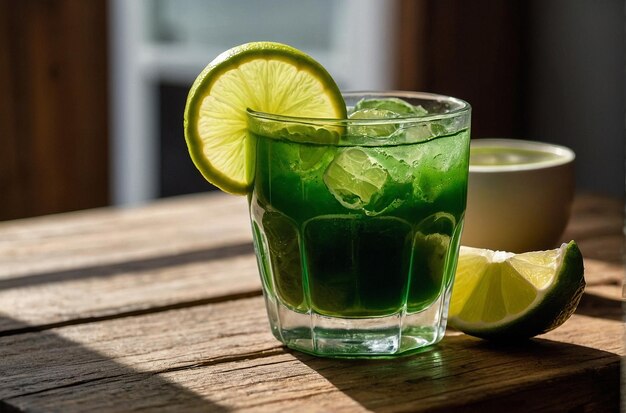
x=358 y=231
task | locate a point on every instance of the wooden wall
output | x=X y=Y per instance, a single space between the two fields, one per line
x=53 y=106
x=474 y=50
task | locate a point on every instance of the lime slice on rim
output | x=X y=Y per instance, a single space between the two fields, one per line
x=503 y=296
x=262 y=76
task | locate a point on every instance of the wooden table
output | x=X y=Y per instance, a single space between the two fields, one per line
x=160 y=308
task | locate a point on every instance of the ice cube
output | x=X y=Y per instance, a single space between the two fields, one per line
x=312 y=157
x=448 y=152
x=359 y=181
x=375 y=130
x=419 y=132
x=402 y=132
x=428 y=183
x=398 y=106
x=354 y=177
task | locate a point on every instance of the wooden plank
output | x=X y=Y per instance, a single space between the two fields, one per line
x=596 y=224
x=164 y=289
x=172 y=339
x=599 y=272
x=97 y=237
x=75 y=267
x=105 y=236
x=222 y=357
x=99 y=263
x=604 y=248
x=130 y=289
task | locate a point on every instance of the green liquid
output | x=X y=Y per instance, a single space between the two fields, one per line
x=347 y=258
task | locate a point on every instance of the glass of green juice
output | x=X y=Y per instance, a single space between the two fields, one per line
x=357 y=222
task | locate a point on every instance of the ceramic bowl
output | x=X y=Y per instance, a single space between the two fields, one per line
x=519 y=195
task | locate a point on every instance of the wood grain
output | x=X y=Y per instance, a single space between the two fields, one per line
x=223 y=355
x=109 y=236
x=106 y=262
x=53 y=106
x=158 y=308
x=192 y=249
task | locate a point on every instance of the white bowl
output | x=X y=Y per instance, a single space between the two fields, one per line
x=523 y=205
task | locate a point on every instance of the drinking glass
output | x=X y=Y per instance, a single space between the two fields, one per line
x=357 y=224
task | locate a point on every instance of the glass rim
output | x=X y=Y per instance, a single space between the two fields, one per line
x=462 y=108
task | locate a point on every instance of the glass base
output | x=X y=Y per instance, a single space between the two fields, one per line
x=395 y=335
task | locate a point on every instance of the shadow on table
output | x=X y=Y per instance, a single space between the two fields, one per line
x=597 y=306
x=141 y=264
x=537 y=375
x=45 y=372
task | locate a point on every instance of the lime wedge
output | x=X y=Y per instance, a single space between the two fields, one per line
x=504 y=296
x=263 y=76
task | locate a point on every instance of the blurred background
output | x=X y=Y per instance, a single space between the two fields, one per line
x=93 y=91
